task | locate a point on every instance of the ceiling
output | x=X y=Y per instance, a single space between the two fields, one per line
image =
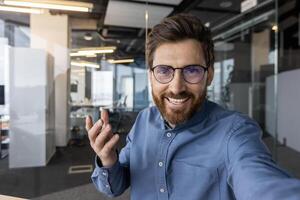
x=122 y=23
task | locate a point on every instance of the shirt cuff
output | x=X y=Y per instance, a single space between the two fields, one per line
x=113 y=169
x=103 y=176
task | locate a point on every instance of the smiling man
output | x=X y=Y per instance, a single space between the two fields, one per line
x=179 y=79
x=186 y=147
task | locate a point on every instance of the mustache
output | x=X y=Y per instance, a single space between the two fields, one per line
x=181 y=95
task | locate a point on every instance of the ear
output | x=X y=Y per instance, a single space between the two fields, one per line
x=150 y=76
x=210 y=75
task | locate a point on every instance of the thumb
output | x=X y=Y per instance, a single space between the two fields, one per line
x=104 y=116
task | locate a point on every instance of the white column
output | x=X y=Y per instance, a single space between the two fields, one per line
x=52 y=33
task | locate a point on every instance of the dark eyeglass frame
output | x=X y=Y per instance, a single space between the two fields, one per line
x=182 y=69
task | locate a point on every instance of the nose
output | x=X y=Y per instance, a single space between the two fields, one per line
x=177 y=85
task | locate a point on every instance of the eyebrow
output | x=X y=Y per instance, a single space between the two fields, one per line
x=181 y=66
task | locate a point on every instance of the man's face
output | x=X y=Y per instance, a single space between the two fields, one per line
x=178 y=100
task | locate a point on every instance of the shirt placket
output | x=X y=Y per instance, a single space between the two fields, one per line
x=161 y=164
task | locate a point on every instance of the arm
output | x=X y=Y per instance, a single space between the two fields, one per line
x=252 y=174
x=111 y=181
x=110 y=175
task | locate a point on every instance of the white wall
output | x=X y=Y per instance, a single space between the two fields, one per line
x=4 y=73
x=51 y=32
x=31 y=108
x=288 y=123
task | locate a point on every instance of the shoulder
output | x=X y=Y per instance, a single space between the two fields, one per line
x=146 y=120
x=216 y=113
x=148 y=114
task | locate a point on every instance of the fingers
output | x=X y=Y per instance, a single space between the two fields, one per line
x=88 y=123
x=95 y=130
x=104 y=116
x=109 y=147
x=105 y=135
x=102 y=140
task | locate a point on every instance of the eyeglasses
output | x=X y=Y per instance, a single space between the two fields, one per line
x=191 y=73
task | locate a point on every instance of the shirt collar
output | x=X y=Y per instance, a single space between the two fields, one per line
x=196 y=118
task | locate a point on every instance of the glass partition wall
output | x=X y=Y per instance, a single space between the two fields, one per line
x=245 y=57
x=288 y=95
x=246 y=67
x=257 y=73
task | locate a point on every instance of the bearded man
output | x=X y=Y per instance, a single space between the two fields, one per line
x=186 y=147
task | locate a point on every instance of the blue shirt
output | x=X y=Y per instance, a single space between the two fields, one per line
x=216 y=155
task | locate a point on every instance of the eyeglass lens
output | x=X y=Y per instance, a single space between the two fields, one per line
x=191 y=73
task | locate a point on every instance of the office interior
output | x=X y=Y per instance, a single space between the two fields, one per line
x=62 y=60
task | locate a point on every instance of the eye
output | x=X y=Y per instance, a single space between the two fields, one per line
x=163 y=70
x=193 y=69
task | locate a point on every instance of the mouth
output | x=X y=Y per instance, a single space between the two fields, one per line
x=180 y=101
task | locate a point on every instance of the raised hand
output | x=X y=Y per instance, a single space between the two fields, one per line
x=102 y=140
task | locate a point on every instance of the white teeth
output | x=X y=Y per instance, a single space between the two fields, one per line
x=177 y=101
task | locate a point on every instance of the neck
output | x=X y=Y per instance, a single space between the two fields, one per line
x=171 y=125
x=174 y=125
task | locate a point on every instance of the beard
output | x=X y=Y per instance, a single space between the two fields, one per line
x=179 y=116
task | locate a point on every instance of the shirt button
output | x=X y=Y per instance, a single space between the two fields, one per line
x=104 y=173
x=162 y=190
x=160 y=164
x=169 y=135
x=107 y=186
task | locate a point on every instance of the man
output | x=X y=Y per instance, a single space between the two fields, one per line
x=185 y=147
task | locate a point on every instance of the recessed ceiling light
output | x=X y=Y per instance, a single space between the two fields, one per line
x=112 y=61
x=53 y=4
x=275 y=28
x=225 y=4
x=21 y=9
x=88 y=36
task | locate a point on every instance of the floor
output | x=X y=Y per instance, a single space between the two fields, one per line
x=287 y=158
x=38 y=181
x=54 y=182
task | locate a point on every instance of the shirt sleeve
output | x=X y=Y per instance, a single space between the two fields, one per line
x=115 y=180
x=110 y=181
x=252 y=174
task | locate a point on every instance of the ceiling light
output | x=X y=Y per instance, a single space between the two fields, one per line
x=96 y=51
x=76 y=54
x=91 y=52
x=120 y=61
x=207 y=24
x=88 y=36
x=53 y=4
x=146 y=15
x=91 y=56
x=225 y=4
x=84 y=64
x=21 y=10
x=275 y=28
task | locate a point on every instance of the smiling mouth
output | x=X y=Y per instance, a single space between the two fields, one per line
x=177 y=101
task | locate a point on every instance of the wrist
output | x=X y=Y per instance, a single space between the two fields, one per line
x=108 y=163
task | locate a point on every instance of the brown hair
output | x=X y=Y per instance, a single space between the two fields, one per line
x=177 y=28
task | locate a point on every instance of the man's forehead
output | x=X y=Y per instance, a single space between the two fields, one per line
x=182 y=53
